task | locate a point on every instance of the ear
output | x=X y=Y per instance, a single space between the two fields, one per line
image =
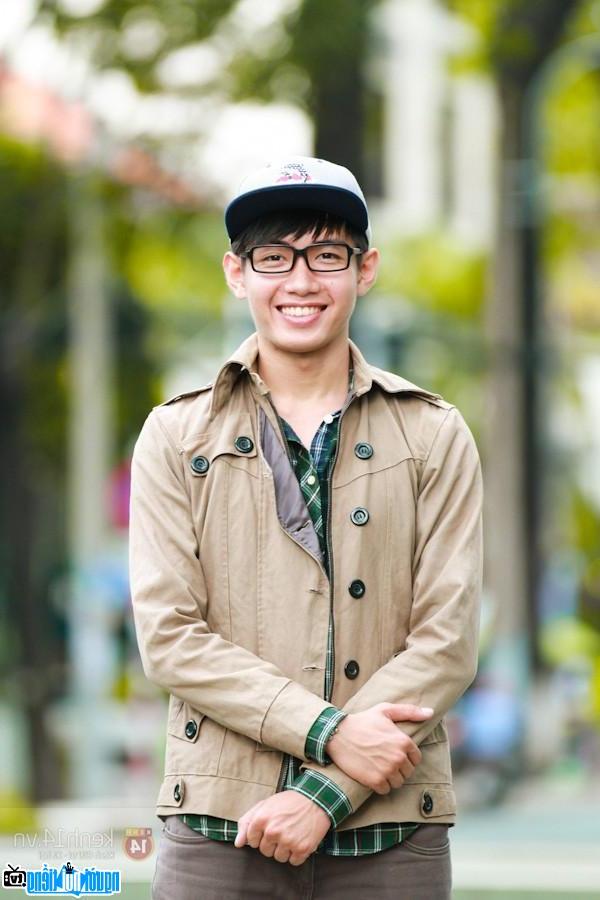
x=233 y=266
x=367 y=271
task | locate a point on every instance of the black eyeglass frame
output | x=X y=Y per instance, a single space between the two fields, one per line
x=352 y=251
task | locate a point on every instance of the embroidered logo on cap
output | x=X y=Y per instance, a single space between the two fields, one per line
x=293 y=172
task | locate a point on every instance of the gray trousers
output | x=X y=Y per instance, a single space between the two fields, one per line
x=193 y=867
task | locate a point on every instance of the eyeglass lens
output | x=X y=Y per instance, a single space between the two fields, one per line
x=320 y=257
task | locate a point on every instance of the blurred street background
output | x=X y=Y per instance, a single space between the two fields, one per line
x=474 y=128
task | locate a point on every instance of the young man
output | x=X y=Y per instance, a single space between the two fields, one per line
x=305 y=570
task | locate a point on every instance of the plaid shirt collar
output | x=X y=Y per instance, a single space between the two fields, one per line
x=312 y=466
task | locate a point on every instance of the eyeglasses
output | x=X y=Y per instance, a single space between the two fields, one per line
x=322 y=257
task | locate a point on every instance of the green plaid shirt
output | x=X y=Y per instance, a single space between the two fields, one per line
x=313 y=470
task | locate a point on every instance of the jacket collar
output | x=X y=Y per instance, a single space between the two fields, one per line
x=365 y=375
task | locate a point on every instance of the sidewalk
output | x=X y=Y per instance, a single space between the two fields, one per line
x=545 y=837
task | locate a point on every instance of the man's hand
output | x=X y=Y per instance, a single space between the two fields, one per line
x=370 y=748
x=287 y=826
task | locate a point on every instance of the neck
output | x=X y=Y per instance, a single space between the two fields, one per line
x=315 y=377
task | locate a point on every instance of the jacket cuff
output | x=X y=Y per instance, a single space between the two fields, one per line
x=321 y=730
x=290 y=717
x=325 y=793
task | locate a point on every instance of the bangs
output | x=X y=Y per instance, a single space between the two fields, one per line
x=296 y=223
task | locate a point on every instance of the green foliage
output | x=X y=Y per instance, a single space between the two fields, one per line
x=568 y=135
x=483 y=15
x=436 y=273
x=516 y=36
x=571 y=120
x=33 y=257
x=16 y=814
x=173 y=263
x=583 y=526
x=155 y=27
x=323 y=32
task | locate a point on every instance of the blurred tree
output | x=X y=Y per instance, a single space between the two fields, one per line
x=330 y=43
x=32 y=254
x=34 y=392
x=525 y=36
x=306 y=52
x=517 y=40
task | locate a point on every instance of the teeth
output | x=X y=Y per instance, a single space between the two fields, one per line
x=300 y=310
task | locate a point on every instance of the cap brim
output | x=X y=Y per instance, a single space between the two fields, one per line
x=322 y=198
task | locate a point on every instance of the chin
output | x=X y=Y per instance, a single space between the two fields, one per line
x=300 y=344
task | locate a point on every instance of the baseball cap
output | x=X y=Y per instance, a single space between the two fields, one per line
x=298 y=182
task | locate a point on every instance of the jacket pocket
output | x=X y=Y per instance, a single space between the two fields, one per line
x=233 y=441
x=194 y=741
x=184 y=721
x=429 y=840
x=172 y=791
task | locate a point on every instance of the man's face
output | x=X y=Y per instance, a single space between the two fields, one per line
x=302 y=311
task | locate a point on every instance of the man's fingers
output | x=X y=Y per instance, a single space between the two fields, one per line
x=381 y=787
x=402 y=773
x=406 y=768
x=254 y=835
x=414 y=754
x=255 y=831
x=397 y=780
x=240 y=838
x=408 y=712
x=281 y=854
x=244 y=824
x=267 y=848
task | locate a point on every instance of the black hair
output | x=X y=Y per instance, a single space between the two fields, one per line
x=273 y=227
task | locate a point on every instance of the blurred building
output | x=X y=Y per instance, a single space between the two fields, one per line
x=439 y=127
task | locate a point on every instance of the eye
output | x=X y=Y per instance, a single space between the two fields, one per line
x=270 y=256
x=330 y=254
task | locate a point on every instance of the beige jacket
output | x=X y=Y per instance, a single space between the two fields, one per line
x=231 y=600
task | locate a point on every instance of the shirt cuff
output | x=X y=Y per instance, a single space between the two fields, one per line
x=321 y=730
x=325 y=793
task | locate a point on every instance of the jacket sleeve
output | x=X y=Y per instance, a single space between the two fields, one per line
x=439 y=659
x=224 y=681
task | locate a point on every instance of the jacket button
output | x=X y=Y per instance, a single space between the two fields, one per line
x=359 y=515
x=191 y=729
x=177 y=793
x=244 y=444
x=363 y=450
x=357 y=588
x=351 y=669
x=200 y=465
x=427 y=803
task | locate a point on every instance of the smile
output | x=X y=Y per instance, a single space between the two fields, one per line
x=300 y=312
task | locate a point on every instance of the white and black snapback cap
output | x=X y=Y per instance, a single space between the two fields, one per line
x=298 y=182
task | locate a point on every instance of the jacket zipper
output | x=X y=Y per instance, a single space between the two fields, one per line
x=281 y=773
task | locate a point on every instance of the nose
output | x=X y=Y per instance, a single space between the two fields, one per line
x=301 y=280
